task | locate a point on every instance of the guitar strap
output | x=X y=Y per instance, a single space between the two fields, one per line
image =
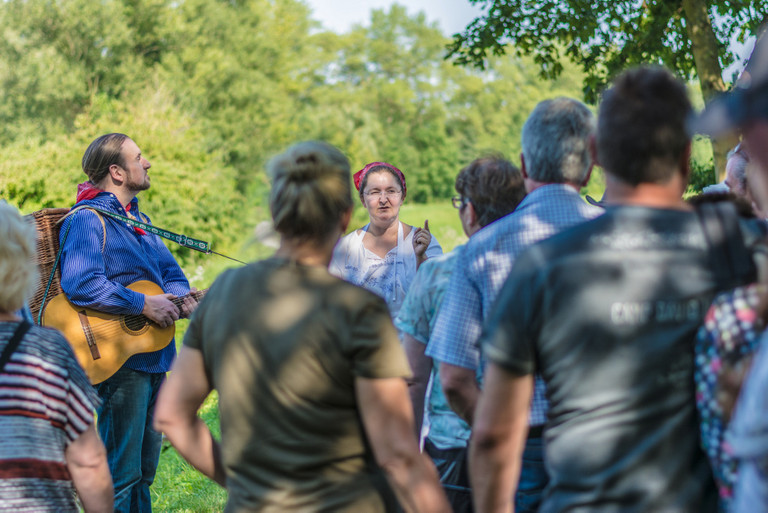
x=13 y=343
x=181 y=240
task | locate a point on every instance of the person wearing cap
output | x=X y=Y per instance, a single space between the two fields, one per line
x=745 y=109
x=607 y=313
x=383 y=255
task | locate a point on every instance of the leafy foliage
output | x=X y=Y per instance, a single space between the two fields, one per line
x=211 y=89
x=604 y=37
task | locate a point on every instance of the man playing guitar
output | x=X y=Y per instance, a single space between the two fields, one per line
x=101 y=256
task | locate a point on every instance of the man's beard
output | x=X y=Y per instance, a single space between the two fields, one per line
x=137 y=186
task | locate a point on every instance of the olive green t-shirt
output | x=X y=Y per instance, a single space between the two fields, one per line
x=283 y=343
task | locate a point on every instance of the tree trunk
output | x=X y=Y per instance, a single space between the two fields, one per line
x=704 y=46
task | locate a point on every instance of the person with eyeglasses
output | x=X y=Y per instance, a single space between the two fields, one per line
x=556 y=163
x=383 y=255
x=489 y=188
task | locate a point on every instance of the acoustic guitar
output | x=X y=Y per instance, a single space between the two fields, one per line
x=103 y=342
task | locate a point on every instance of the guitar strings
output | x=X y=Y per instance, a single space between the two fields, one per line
x=115 y=325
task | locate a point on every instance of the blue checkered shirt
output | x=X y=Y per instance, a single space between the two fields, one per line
x=484 y=266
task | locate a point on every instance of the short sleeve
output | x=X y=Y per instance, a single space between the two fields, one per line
x=434 y=249
x=509 y=335
x=341 y=253
x=413 y=317
x=748 y=432
x=192 y=337
x=374 y=347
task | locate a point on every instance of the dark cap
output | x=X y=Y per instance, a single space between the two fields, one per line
x=748 y=101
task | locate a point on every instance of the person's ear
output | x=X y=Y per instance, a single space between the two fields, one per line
x=471 y=214
x=523 y=171
x=593 y=150
x=468 y=217
x=117 y=173
x=346 y=217
x=685 y=164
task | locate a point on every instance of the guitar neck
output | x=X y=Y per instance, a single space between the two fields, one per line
x=196 y=295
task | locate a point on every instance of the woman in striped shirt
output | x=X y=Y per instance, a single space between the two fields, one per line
x=46 y=402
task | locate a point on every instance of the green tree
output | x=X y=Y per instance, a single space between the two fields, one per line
x=605 y=37
x=241 y=70
x=56 y=55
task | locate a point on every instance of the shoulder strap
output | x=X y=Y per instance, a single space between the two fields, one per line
x=95 y=211
x=61 y=247
x=13 y=343
x=180 y=239
x=732 y=260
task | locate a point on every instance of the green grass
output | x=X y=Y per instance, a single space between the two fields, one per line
x=180 y=488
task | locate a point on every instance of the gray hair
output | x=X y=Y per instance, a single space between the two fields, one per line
x=556 y=141
x=18 y=270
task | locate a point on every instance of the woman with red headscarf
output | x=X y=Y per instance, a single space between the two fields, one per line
x=383 y=255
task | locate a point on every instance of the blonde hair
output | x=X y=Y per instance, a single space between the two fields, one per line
x=18 y=270
x=310 y=190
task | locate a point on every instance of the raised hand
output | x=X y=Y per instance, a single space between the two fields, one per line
x=421 y=239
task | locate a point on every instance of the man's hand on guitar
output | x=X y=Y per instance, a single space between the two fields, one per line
x=188 y=303
x=160 y=309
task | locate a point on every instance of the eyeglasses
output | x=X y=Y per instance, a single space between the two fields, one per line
x=389 y=193
x=459 y=202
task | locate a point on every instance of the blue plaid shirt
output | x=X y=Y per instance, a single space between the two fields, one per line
x=484 y=266
x=446 y=430
x=97 y=278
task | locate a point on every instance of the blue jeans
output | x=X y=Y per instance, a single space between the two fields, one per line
x=133 y=446
x=452 y=468
x=533 y=477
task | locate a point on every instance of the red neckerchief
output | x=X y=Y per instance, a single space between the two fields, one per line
x=135 y=228
x=87 y=190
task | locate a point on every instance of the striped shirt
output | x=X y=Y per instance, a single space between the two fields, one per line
x=46 y=402
x=484 y=267
x=96 y=268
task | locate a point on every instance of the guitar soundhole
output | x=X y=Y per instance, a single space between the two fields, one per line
x=136 y=324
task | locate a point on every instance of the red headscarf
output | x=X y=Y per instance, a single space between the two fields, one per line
x=358 y=177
